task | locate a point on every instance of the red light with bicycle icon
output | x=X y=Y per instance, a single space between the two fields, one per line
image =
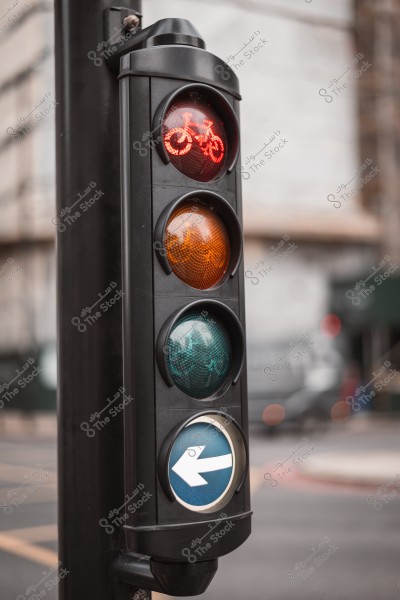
x=195 y=139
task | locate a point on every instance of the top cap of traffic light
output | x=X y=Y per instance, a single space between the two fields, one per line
x=199 y=132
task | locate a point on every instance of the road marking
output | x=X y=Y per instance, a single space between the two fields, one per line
x=39 y=496
x=30 y=489
x=32 y=552
x=17 y=541
x=16 y=473
x=44 y=533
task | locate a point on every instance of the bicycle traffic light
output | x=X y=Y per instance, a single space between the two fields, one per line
x=184 y=335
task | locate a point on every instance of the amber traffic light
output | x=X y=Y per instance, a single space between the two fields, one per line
x=197 y=245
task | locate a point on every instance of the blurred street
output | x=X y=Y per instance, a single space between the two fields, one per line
x=28 y=538
x=294 y=514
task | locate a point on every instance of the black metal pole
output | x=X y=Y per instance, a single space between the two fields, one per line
x=88 y=250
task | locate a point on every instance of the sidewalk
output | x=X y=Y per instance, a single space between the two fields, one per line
x=28 y=426
x=373 y=468
x=363 y=468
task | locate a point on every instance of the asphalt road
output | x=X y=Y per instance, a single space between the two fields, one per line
x=28 y=534
x=349 y=549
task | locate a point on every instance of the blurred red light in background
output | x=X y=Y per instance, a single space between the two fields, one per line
x=340 y=412
x=273 y=414
x=331 y=325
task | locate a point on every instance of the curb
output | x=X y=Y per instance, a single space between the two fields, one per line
x=17 y=425
x=361 y=469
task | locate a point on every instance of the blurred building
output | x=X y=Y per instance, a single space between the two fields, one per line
x=27 y=189
x=319 y=157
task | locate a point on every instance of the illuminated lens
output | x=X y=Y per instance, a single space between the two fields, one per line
x=197 y=245
x=199 y=354
x=194 y=138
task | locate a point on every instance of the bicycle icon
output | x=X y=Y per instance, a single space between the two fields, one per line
x=179 y=140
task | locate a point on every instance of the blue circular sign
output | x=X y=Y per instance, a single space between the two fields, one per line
x=201 y=464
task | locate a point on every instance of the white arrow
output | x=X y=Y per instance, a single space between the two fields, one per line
x=189 y=466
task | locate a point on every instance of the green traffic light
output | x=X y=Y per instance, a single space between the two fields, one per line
x=199 y=354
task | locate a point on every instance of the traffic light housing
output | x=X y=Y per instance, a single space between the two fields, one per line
x=186 y=440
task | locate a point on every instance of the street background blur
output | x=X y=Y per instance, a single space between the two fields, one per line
x=320 y=171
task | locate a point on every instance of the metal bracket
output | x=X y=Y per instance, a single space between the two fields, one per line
x=123 y=38
x=116 y=33
x=120 y=26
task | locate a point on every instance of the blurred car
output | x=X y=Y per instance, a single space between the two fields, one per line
x=270 y=380
x=295 y=384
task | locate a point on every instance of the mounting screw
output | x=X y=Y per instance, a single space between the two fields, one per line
x=131 y=22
